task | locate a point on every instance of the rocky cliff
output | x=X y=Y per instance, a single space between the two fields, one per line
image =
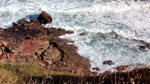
x=27 y=41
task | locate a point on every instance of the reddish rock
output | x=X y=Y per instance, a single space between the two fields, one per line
x=44 y=18
x=96 y=68
x=147 y=45
x=122 y=68
x=108 y=62
x=30 y=46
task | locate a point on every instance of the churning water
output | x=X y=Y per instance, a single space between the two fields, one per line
x=110 y=26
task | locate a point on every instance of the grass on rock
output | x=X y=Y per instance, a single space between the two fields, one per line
x=35 y=74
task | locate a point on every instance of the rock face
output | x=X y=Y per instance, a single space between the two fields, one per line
x=30 y=42
x=44 y=18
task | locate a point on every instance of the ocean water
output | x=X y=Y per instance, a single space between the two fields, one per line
x=110 y=25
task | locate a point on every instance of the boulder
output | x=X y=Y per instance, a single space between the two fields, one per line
x=44 y=18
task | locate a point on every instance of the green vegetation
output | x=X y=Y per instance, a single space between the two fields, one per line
x=14 y=74
x=35 y=74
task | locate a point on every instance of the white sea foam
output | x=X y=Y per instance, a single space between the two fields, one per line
x=110 y=26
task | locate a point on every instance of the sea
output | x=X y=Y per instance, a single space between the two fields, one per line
x=114 y=28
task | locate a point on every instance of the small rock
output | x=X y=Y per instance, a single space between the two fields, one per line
x=83 y=34
x=142 y=47
x=44 y=18
x=96 y=68
x=108 y=62
x=122 y=68
x=69 y=32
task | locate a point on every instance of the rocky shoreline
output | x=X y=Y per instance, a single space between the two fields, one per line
x=27 y=41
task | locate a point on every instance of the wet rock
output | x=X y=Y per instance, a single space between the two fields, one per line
x=55 y=32
x=44 y=18
x=108 y=62
x=142 y=47
x=69 y=32
x=122 y=68
x=96 y=68
x=83 y=34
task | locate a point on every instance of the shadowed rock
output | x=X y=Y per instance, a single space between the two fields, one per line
x=44 y=18
x=142 y=47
